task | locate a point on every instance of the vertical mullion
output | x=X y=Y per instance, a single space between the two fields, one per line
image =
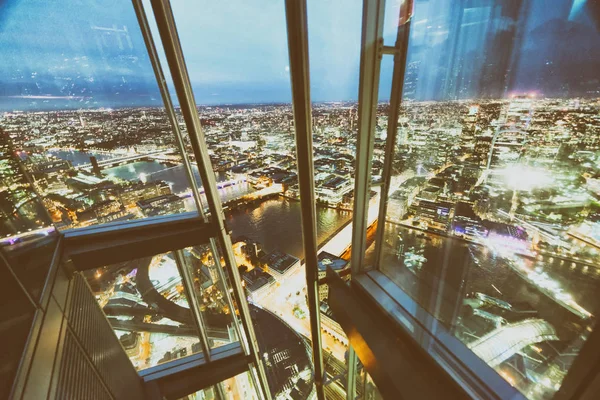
x=188 y=285
x=223 y=288
x=370 y=63
x=297 y=33
x=170 y=39
x=368 y=91
x=400 y=57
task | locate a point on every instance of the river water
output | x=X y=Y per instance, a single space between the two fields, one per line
x=78 y=157
x=274 y=223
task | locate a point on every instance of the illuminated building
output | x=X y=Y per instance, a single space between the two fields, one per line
x=518 y=112
x=326 y=260
x=500 y=344
x=160 y=205
x=279 y=264
x=258 y=283
x=483 y=143
x=333 y=189
x=129 y=195
x=506 y=149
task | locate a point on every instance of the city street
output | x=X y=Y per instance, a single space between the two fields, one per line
x=284 y=299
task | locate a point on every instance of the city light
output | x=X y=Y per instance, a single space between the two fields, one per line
x=527 y=178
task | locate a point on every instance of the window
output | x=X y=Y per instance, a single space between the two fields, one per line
x=82 y=111
x=147 y=301
x=490 y=209
x=244 y=104
x=459 y=164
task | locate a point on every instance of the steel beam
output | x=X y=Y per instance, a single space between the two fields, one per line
x=400 y=54
x=399 y=368
x=179 y=378
x=297 y=32
x=368 y=89
x=134 y=241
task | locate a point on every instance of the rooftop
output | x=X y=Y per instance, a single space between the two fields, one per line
x=278 y=261
x=256 y=278
x=325 y=259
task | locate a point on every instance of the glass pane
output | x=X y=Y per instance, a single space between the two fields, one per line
x=209 y=288
x=491 y=219
x=370 y=390
x=82 y=109
x=145 y=302
x=246 y=115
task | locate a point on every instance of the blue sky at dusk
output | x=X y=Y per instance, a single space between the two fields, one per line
x=89 y=53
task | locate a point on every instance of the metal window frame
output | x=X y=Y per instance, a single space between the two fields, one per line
x=399 y=51
x=110 y=246
x=371 y=52
x=188 y=284
x=105 y=244
x=166 y=96
x=181 y=377
x=582 y=379
x=297 y=34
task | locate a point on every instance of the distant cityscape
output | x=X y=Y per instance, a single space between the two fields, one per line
x=513 y=184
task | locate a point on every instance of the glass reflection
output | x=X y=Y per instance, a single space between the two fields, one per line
x=491 y=215
x=146 y=304
x=81 y=110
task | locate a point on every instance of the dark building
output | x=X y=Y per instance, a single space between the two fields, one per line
x=95 y=167
x=435 y=214
x=483 y=145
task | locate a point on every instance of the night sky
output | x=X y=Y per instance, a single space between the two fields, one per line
x=89 y=53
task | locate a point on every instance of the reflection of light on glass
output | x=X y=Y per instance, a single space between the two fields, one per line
x=525 y=178
x=142 y=177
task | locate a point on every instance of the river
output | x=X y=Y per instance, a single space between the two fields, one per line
x=79 y=157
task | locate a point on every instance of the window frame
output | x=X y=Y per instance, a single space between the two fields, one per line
x=581 y=379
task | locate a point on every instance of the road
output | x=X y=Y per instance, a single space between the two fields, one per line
x=291 y=294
